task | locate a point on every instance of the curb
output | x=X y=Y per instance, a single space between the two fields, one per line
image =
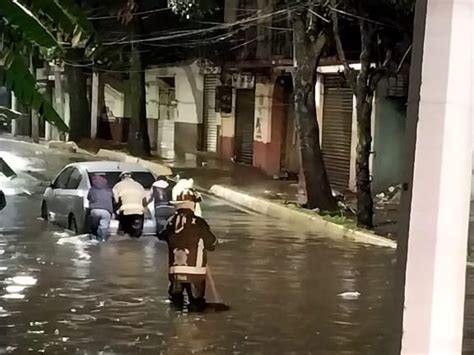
x=316 y=223
x=70 y=147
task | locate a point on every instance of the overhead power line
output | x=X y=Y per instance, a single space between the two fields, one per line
x=136 y=14
x=195 y=32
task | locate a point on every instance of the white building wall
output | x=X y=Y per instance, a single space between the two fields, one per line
x=189 y=92
x=114 y=100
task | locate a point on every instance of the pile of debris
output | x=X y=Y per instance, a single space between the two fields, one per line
x=391 y=196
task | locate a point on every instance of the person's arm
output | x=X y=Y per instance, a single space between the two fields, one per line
x=115 y=192
x=166 y=232
x=210 y=240
x=146 y=197
x=116 y=202
x=149 y=197
x=90 y=196
x=198 y=196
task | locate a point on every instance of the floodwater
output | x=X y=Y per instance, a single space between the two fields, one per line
x=289 y=291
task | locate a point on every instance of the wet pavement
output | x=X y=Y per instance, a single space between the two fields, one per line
x=290 y=291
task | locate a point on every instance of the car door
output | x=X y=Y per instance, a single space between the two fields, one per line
x=71 y=199
x=55 y=205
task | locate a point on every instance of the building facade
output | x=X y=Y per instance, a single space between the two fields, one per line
x=243 y=110
x=260 y=129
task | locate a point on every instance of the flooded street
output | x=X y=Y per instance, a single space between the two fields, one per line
x=289 y=291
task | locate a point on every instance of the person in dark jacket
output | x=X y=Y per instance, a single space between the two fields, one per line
x=189 y=238
x=161 y=195
x=101 y=206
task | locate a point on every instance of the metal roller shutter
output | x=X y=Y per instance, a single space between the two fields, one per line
x=244 y=126
x=210 y=117
x=337 y=130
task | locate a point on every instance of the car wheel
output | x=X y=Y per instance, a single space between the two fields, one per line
x=44 y=211
x=73 y=224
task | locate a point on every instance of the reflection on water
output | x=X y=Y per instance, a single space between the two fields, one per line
x=67 y=294
x=289 y=292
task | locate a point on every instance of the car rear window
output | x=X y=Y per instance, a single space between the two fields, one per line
x=144 y=178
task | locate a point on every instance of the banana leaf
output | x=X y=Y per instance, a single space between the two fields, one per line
x=7 y=114
x=16 y=76
x=18 y=16
x=67 y=16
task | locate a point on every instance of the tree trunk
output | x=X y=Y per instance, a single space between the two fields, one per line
x=35 y=116
x=59 y=99
x=79 y=123
x=138 y=139
x=365 y=204
x=307 y=54
x=364 y=95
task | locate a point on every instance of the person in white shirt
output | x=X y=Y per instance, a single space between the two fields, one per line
x=131 y=199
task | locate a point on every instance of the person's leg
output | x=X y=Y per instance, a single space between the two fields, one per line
x=121 y=230
x=175 y=292
x=162 y=215
x=138 y=222
x=196 y=293
x=94 y=221
x=136 y=225
x=127 y=223
x=104 y=225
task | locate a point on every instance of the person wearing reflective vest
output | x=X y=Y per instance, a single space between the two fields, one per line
x=161 y=195
x=189 y=238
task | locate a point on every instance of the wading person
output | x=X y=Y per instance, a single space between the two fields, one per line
x=162 y=195
x=101 y=207
x=189 y=238
x=131 y=199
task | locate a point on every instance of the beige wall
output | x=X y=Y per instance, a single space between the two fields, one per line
x=189 y=92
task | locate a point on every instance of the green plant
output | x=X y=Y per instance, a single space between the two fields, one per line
x=32 y=27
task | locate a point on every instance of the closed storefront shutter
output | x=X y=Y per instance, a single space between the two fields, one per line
x=337 y=130
x=244 y=126
x=210 y=117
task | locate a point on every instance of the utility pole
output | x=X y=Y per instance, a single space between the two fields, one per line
x=15 y=107
x=432 y=245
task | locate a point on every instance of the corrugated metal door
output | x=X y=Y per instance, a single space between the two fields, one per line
x=337 y=130
x=244 y=126
x=210 y=117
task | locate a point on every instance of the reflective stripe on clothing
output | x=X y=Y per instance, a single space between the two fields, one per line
x=191 y=270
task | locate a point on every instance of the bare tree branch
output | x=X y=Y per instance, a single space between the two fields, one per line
x=321 y=17
x=318 y=44
x=404 y=58
x=350 y=73
x=299 y=36
x=385 y=70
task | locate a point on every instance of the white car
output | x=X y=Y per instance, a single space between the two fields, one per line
x=65 y=200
